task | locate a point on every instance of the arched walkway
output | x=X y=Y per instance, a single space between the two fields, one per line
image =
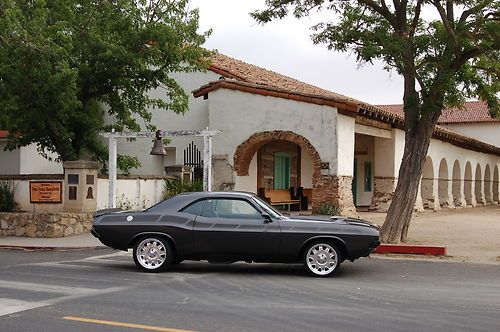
x=487 y=186
x=444 y=190
x=246 y=150
x=478 y=186
x=326 y=188
x=496 y=185
x=429 y=199
x=469 y=194
x=457 y=186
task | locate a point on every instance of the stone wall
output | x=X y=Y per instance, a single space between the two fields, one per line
x=335 y=190
x=45 y=224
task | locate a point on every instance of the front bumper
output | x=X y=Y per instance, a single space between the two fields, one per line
x=93 y=232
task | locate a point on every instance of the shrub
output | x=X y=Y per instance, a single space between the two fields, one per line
x=176 y=186
x=329 y=209
x=7 y=202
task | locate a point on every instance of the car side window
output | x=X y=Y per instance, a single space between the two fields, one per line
x=195 y=208
x=230 y=209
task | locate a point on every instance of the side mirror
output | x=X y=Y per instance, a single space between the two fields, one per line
x=267 y=217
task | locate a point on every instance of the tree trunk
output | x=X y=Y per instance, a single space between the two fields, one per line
x=397 y=221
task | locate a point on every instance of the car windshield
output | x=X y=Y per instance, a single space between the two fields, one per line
x=267 y=208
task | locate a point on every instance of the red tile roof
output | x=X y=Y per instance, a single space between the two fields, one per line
x=473 y=112
x=242 y=71
x=257 y=80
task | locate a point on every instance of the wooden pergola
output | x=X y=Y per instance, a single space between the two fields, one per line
x=112 y=136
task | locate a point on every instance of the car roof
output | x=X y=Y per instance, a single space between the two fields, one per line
x=179 y=201
x=219 y=193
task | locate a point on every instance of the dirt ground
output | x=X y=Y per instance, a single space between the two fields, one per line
x=470 y=235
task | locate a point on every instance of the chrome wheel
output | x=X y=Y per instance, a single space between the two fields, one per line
x=151 y=253
x=322 y=259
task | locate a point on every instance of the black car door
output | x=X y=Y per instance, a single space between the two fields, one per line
x=235 y=228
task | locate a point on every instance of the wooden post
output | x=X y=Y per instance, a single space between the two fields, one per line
x=209 y=162
x=206 y=163
x=112 y=170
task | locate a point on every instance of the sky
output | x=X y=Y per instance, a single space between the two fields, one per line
x=285 y=46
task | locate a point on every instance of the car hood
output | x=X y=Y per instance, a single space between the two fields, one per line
x=334 y=219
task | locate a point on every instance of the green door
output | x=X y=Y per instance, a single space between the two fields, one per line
x=281 y=170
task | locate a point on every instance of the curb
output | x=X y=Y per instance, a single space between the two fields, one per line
x=40 y=248
x=410 y=249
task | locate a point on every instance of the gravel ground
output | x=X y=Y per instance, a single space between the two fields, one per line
x=470 y=235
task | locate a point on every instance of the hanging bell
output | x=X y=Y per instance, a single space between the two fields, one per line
x=158 y=148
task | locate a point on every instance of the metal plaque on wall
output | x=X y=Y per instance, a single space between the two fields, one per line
x=46 y=192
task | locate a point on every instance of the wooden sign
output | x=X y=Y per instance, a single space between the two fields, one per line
x=46 y=192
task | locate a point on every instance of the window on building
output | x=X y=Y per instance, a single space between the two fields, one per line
x=368 y=176
x=73 y=179
x=281 y=170
x=72 y=193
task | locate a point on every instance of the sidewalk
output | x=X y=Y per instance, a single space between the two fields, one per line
x=470 y=235
x=82 y=241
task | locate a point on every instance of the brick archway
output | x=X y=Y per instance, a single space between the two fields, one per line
x=327 y=188
x=246 y=150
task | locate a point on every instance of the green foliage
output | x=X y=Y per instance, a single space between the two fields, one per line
x=446 y=56
x=126 y=163
x=176 y=186
x=7 y=202
x=329 y=209
x=64 y=65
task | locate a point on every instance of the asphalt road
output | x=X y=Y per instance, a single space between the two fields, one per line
x=100 y=290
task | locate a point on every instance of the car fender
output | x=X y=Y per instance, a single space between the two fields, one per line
x=331 y=237
x=143 y=234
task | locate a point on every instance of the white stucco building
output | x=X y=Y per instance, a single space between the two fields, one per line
x=278 y=132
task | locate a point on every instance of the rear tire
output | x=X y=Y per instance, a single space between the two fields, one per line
x=152 y=254
x=322 y=259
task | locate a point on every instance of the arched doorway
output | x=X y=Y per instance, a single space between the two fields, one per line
x=427 y=185
x=496 y=185
x=325 y=188
x=487 y=185
x=478 y=186
x=469 y=197
x=443 y=185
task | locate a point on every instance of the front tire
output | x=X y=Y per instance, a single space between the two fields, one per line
x=152 y=254
x=322 y=259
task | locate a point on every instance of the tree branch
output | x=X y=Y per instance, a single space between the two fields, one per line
x=384 y=12
x=416 y=18
x=446 y=22
x=473 y=10
x=466 y=56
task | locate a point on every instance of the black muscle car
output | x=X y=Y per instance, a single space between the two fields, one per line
x=233 y=226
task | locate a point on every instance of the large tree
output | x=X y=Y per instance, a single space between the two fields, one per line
x=446 y=52
x=65 y=63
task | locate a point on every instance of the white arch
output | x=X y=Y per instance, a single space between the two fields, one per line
x=487 y=185
x=430 y=199
x=478 y=185
x=457 y=186
x=496 y=185
x=444 y=190
x=468 y=185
